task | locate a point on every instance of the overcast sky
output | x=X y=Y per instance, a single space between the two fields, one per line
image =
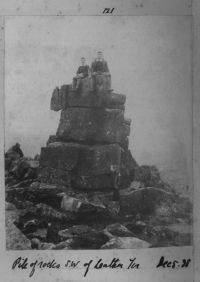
x=149 y=60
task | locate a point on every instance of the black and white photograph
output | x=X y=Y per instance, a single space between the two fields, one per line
x=99 y=146
x=98 y=132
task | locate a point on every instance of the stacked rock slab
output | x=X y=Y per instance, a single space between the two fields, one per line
x=91 y=139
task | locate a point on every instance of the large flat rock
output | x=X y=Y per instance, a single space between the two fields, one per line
x=125 y=243
x=58 y=98
x=93 y=125
x=92 y=100
x=64 y=97
x=60 y=155
x=84 y=159
x=144 y=200
x=83 y=166
x=57 y=176
x=93 y=182
x=56 y=161
x=98 y=159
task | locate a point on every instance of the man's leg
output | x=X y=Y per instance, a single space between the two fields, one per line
x=78 y=83
x=74 y=83
x=93 y=82
x=108 y=81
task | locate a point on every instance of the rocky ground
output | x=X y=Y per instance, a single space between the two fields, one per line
x=149 y=213
x=85 y=190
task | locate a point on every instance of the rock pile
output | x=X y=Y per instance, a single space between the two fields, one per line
x=19 y=170
x=88 y=191
x=90 y=149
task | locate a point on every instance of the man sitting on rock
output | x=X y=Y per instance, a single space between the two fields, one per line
x=99 y=67
x=82 y=72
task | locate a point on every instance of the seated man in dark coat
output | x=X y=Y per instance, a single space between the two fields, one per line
x=82 y=72
x=99 y=67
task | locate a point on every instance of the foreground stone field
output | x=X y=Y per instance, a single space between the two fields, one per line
x=85 y=190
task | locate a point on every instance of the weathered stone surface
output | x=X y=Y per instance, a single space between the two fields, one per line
x=60 y=155
x=162 y=235
x=149 y=176
x=56 y=100
x=88 y=207
x=46 y=246
x=117 y=229
x=92 y=100
x=37 y=244
x=181 y=234
x=10 y=206
x=59 y=96
x=14 y=152
x=30 y=226
x=86 y=96
x=21 y=172
x=40 y=233
x=96 y=203
x=127 y=168
x=64 y=245
x=143 y=200
x=21 y=204
x=49 y=214
x=84 y=237
x=92 y=183
x=35 y=185
x=56 y=176
x=69 y=203
x=88 y=160
x=95 y=197
x=101 y=84
x=45 y=193
x=75 y=231
x=19 y=168
x=92 y=167
x=113 y=208
x=77 y=201
x=125 y=243
x=95 y=160
x=56 y=161
x=183 y=208
x=93 y=125
x=52 y=139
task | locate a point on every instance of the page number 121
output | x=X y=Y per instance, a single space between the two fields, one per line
x=108 y=10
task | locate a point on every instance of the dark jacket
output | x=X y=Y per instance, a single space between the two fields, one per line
x=84 y=70
x=99 y=66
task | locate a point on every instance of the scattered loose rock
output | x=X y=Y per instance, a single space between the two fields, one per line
x=85 y=190
x=125 y=243
x=117 y=229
